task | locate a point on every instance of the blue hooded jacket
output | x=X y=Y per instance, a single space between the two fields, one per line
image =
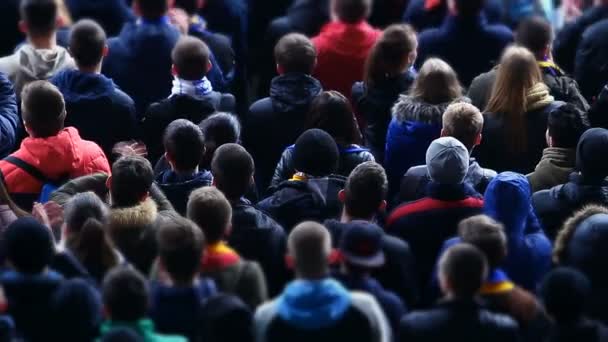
x=9 y=118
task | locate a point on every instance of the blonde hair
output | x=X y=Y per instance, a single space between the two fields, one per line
x=464 y=122
x=517 y=74
x=436 y=83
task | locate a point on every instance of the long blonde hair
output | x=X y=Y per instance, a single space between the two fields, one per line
x=517 y=74
x=436 y=83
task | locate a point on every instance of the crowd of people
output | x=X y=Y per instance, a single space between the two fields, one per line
x=246 y=170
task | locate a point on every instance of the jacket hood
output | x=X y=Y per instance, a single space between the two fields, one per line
x=169 y=180
x=41 y=64
x=408 y=108
x=145 y=37
x=577 y=190
x=508 y=200
x=76 y=85
x=293 y=91
x=563 y=158
x=352 y=40
x=313 y=304
x=590 y=154
x=587 y=249
x=565 y=234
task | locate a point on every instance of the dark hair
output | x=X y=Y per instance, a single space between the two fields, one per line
x=465 y=268
x=132 y=177
x=486 y=234
x=189 y=6
x=42 y=109
x=331 y=111
x=86 y=217
x=191 y=58
x=152 y=9
x=535 y=34
x=180 y=247
x=232 y=169
x=211 y=211
x=39 y=15
x=28 y=245
x=87 y=42
x=316 y=153
x=184 y=144
x=295 y=53
x=219 y=129
x=565 y=294
x=352 y=11
x=125 y=294
x=389 y=55
x=566 y=125
x=76 y=311
x=469 y=8
x=365 y=189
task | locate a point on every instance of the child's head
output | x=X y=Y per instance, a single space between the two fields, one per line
x=42 y=109
x=38 y=17
x=180 y=247
x=352 y=11
x=232 y=169
x=211 y=211
x=191 y=58
x=88 y=43
x=132 y=177
x=29 y=246
x=184 y=145
x=295 y=53
x=394 y=51
x=332 y=112
x=487 y=235
x=151 y=9
x=316 y=153
x=125 y=294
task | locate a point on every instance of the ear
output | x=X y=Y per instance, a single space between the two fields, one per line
x=280 y=70
x=478 y=139
x=200 y=4
x=174 y=70
x=28 y=130
x=228 y=231
x=22 y=26
x=342 y=196
x=106 y=51
x=109 y=183
x=209 y=66
x=144 y=196
x=60 y=22
x=443 y=133
x=382 y=206
x=549 y=139
x=411 y=57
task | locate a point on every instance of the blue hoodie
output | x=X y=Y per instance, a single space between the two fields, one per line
x=177 y=187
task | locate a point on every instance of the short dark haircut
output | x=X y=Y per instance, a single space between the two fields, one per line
x=43 y=108
x=219 y=129
x=487 y=235
x=566 y=125
x=535 y=34
x=469 y=8
x=465 y=269
x=191 y=58
x=28 y=245
x=125 y=294
x=180 y=247
x=295 y=53
x=152 y=8
x=132 y=177
x=87 y=42
x=353 y=11
x=365 y=189
x=39 y=15
x=211 y=211
x=185 y=144
x=190 y=6
x=232 y=167
x=332 y=112
x=565 y=293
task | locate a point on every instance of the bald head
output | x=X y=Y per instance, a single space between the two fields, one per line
x=309 y=245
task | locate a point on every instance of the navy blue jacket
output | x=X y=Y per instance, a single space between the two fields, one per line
x=9 y=117
x=458 y=35
x=177 y=187
x=110 y=14
x=590 y=68
x=97 y=108
x=421 y=18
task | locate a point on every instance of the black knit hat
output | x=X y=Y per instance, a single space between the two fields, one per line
x=316 y=153
x=590 y=154
x=29 y=245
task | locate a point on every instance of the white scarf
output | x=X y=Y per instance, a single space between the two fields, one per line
x=196 y=89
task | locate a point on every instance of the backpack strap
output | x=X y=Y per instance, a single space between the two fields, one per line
x=28 y=168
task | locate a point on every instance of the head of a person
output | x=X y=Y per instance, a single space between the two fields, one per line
x=180 y=247
x=331 y=111
x=309 y=246
x=517 y=74
x=150 y=9
x=464 y=122
x=42 y=109
x=132 y=177
x=447 y=161
x=536 y=34
x=190 y=58
x=565 y=294
x=365 y=191
x=487 y=235
x=508 y=200
x=567 y=230
x=295 y=53
x=565 y=126
x=361 y=247
x=316 y=153
x=39 y=18
x=184 y=145
x=466 y=8
x=29 y=246
x=77 y=311
x=88 y=43
x=394 y=52
x=462 y=270
x=211 y=211
x=219 y=129
x=436 y=83
x=125 y=294
x=590 y=151
x=352 y=11
x=189 y=6
x=232 y=168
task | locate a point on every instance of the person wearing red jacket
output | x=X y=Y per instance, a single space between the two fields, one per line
x=343 y=45
x=51 y=153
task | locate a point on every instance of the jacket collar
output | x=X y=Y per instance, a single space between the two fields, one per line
x=135 y=217
x=456 y=23
x=451 y=192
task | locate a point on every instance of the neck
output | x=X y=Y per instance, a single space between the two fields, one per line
x=43 y=42
x=91 y=69
x=186 y=172
x=346 y=217
x=312 y=276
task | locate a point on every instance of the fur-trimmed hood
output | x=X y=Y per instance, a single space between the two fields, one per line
x=408 y=108
x=137 y=216
x=569 y=227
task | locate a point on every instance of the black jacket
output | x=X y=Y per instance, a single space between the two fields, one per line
x=590 y=67
x=493 y=152
x=257 y=237
x=160 y=114
x=277 y=121
x=458 y=320
x=178 y=187
x=110 y=14
x=418 y=16
x=585 y=331
x=375 y=103
x=97 y=108
x=350 y=157
x=9 y=26
x=598 y=114
x=296 y=201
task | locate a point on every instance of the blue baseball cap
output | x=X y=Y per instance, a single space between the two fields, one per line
x=361 y=244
